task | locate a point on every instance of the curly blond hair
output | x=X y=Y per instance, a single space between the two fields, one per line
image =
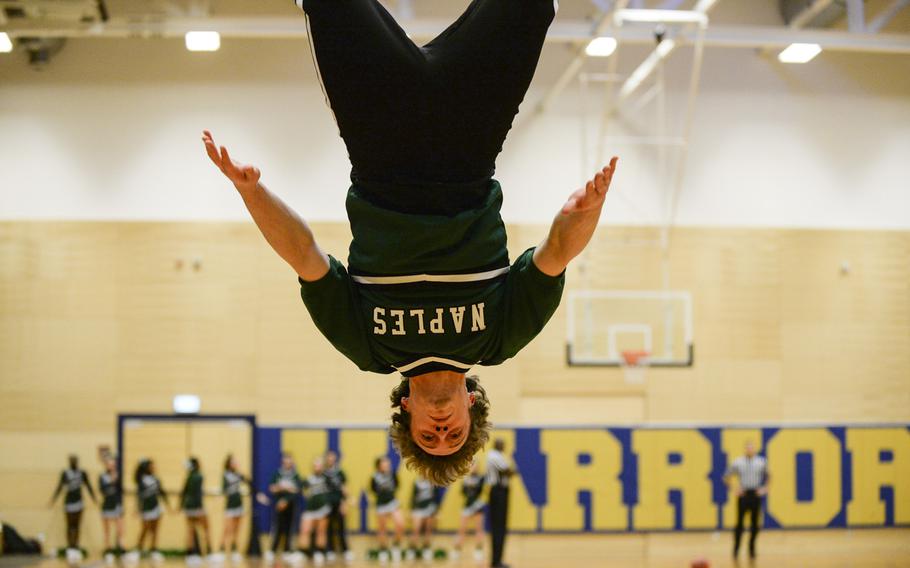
x=440 y=470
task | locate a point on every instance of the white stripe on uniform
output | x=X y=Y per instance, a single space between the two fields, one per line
x=425 y=360
x=448 y=278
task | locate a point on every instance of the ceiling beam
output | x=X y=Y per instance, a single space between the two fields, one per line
x=752 y=37
x=887 y=15
x=856 y=16
x=805 y=17
x=572 y=32
x=802 y=20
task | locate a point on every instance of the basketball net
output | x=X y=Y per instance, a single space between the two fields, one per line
x=635 y=366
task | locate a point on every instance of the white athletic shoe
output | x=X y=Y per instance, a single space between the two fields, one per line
x=331 y=557
x=383 y=556
x=427 y=554
x=410 y=555
x=396 y=554
x=318 y=559
x=216 y=558
x=268 y=557
x=193 y=560
x=349 y=556
x=109 y=559
x=156 y=557
x=236 y=558
x=132 y=557
x=479 y=556
x=73 y=556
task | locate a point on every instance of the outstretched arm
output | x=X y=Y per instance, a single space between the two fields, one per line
x=284 y=230
x=182 y=499
x=763 y=490
x=57 y=491
x=575 y=224
x=163 y=494
x=88 y=486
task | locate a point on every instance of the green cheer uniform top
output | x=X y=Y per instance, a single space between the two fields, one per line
x=317 y=490
x=472 y=489
x=72 y=480
x=384 y=486
x=289 y=485
x=231 y=486
x=111 y=493
x=148 y=492
x=337 y=479
x=430 y=292
x=423 y=494
x=191 y=499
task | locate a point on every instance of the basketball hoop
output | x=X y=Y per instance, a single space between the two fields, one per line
x=635 y=366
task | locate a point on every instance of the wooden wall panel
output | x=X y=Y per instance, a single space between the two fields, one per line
x=97 y=318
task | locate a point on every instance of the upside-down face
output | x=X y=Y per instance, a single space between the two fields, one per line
x=440 y=414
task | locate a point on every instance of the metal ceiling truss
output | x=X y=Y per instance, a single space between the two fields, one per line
x=573 y=32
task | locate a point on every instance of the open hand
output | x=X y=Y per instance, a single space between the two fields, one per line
x=241 y=175
x=594 y=193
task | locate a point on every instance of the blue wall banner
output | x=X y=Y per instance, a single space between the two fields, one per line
x=606 y=479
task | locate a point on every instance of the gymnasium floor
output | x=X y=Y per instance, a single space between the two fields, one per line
x=885 y=548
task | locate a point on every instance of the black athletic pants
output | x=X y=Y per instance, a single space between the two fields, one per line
x=338 y=538
x=73 y=523
x=499 y=513
x=282 y=526
x=749 y=502
x=436 y=114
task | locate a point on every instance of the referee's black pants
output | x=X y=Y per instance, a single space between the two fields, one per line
x=435 y=114
x=338 y=538
x=748 y=502
x=282 y=523
x=499 y=514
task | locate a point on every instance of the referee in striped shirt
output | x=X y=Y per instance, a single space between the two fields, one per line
x=499 y=470
x=752 y=472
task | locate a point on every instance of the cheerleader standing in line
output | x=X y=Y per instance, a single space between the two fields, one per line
x=231 y=486
x=150 y=494
x=111 y=489
x=73 y=479
x=384 y=485
x=338 y=498
x=191 y=501
x=423 y=517
x=317 y=490
x=472 y=513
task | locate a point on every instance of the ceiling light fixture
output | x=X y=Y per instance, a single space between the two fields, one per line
x=6 y=44
x=203 y=41
x=799 y=53
x=601 y=47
